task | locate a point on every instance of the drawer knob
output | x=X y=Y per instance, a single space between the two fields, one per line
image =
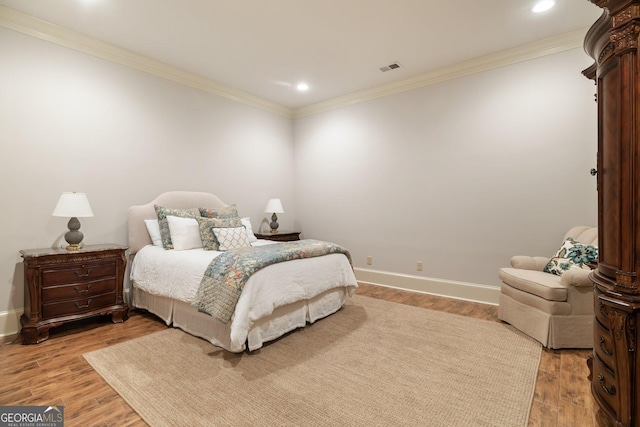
x=609 y=351
x=85 y=274
x=84 y=306
x=609 y=390
x=82 y=291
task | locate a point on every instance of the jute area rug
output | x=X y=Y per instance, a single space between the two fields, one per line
x=372 y=363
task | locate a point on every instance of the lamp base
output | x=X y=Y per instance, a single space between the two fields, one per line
x=274 y=223
x=74 y=236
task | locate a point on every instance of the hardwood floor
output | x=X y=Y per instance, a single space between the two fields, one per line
x=562 y=396
x=55 y=373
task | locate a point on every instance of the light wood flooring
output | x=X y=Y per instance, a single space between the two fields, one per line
x=55 y=373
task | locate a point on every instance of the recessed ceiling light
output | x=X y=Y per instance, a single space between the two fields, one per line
x=543 y=5
x=302 y=87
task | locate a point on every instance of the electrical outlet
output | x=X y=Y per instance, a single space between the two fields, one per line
x=369 y=260
x=419 y=266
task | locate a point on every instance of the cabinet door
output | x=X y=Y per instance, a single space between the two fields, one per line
x=609 y=162
x=619 y=171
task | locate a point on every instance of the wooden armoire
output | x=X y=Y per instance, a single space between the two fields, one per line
x=615 y=364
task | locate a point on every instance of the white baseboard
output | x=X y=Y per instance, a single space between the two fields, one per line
x=10 y=322
x=441 y=287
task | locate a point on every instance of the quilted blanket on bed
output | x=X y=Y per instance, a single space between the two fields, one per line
x=227 y=274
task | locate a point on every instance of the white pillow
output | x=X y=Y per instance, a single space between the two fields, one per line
x=231 y=238
x=154 y=231
x=185 y=233
x=247 y=224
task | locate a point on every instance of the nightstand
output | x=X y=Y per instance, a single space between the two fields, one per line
x=61 y=286
x=280 y=236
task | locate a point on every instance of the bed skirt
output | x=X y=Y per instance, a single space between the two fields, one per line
x=283 y=319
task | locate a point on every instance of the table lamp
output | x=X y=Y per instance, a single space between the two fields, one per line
x=74 y=205
x=274 y=206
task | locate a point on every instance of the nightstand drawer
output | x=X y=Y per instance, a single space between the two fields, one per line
x=77 y=273
x=77 y=306
x=52 y=294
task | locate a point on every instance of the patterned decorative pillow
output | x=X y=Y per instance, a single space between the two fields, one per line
x=571 y=255
x=222 y=213
x=207 y=225
x=232 y=238
x=163 y=212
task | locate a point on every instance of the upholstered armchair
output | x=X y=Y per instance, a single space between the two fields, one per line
x=555 y=309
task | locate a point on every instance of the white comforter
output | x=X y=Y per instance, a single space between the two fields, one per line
x=177 y=275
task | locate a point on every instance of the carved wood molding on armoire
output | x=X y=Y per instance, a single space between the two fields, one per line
x=614 y=366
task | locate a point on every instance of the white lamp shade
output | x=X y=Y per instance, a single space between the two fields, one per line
x=73 y=205
x=274 y=206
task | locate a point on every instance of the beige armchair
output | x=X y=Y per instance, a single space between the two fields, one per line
x=555 y=310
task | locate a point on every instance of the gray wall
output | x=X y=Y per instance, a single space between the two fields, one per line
x=71 y=122
x=460 y=175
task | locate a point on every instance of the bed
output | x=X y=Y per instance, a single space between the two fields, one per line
x=275 y=300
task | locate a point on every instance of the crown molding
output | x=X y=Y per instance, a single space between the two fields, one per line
x=31 y=26
x=549 y=46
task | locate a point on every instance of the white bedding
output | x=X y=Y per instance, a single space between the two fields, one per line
x=177 y=275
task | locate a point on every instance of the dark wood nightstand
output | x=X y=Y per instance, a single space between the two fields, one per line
x=61 y=286
x=280 y=236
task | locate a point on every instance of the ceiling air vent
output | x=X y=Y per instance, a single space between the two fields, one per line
x=390 y=67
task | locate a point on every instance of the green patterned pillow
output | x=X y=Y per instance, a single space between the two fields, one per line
x=207 y=226
x=222 y=213
x=163 y=212
x=571 y=255
x=232 y=238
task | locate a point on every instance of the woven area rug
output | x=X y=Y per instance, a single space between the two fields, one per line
x=372 y=363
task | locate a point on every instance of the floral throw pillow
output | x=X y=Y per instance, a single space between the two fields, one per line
x=571 y=255
x=220 y=213
x=162 y=213
x=207 y=226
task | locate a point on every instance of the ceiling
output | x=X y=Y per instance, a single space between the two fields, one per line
x=266 y=47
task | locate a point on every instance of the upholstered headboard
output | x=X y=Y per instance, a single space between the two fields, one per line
x=138 y=234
